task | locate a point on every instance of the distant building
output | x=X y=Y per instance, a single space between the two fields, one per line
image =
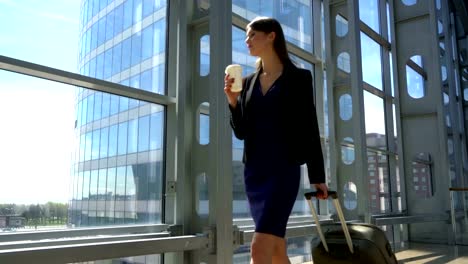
x=12 y=221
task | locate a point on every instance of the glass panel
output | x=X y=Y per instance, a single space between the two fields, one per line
x=443 y=72
x=350 y=196
x=389 y=27
x=38 y=136
x=392 y=76
x=106 y=48
x=446 y=100
x=204 y=124
x=96 y=187
x=422 y=175
x=398 y=186
x=441 y=49
x=415 y=77
x=375 y=121
x=344 y=62
x=53 y=27
x=347 y=151
x=409 y=2
x=379 y=182
x=294 y=15
x=369 y=13
x=240 y=53
x=395 y=129
x=302 y=63
x=440 y=27
x=371 y=62
x=464 y=83
x=341 y=26
x=204 y=55
x=346 y=107
x=240 y=206
x=203 y=202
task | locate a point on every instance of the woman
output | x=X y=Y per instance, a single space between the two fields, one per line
x=275 y=116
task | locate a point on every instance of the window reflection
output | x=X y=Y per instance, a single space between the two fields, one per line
x=409 y=2
x=341 y=26
x=375 y=121
x=415 y=77
x=201 y=192
x=347 y=151
x=143 y=133
x=350 y=196
x=346 y=107
x=344 y=62
x=369 y=13
x=113 y=50
x=294 y=15
x=204 y=55
x=422 y=175
x=371 y=61
x=203 y=123
x=379 y=182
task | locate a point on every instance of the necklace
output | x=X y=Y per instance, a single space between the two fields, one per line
x=269 y=74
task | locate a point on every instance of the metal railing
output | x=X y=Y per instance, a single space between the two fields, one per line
x=88 y=244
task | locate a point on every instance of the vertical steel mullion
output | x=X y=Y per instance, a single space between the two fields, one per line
x=330 y=71
x=319 y=81
x=177 y=210
x=220 y=160
x=400 y=164
x=388 y=103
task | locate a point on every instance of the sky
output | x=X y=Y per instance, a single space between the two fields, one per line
x=37 y=116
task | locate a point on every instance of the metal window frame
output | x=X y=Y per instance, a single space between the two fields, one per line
x=74 y=79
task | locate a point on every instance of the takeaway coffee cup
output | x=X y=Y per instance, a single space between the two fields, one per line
x=235 y=71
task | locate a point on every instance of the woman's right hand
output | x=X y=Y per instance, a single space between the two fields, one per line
x=231 y=96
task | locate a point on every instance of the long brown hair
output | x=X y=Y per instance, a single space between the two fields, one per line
x=267 y=25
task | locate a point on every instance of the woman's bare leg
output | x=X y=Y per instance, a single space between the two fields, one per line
x=262 y=247
x=280 y=252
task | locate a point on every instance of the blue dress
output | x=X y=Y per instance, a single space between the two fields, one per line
x=271 y=182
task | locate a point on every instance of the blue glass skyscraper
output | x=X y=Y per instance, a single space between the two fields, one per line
x=118 y=161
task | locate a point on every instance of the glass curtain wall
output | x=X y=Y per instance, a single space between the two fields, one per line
x=380 y=123
x=95 y=158
x=374 y=33
x=118 y=161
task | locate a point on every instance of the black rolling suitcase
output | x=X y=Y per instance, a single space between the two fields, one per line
x=348 y=243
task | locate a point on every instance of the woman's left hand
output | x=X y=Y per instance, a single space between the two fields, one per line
x=322 y=190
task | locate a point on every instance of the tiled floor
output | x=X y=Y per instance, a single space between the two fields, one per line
x=433 y=254
x=418 y=253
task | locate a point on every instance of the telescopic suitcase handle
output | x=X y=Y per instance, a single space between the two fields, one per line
x=334 y=196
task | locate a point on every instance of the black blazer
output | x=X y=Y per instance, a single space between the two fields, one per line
x=299 y=119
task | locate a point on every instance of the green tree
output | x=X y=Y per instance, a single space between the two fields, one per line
x=7 y=209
